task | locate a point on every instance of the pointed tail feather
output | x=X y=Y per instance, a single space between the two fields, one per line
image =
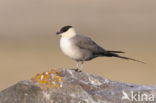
x=112 y=51
x=110 y=54
x=128 y=58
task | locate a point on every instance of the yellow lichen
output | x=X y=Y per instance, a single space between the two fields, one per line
x=48 y=80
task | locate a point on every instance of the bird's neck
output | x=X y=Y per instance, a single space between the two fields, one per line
x=69 y=34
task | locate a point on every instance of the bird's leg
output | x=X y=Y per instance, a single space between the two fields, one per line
x=77 y=66
x=82 y=62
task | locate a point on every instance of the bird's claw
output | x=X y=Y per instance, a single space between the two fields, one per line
x=77 y=70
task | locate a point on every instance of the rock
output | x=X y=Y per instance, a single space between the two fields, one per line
x=68 y=86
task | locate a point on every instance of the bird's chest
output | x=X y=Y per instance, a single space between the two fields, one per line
x=69 y=48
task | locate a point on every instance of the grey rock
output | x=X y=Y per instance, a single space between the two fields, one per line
x=78 y=87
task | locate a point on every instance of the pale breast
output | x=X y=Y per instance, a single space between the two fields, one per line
x=69 y=49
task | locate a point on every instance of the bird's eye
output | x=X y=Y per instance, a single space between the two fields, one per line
x=64 y=29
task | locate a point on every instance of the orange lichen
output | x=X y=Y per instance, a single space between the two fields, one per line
x=48 y=80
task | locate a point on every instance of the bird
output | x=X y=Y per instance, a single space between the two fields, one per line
x=82 y=48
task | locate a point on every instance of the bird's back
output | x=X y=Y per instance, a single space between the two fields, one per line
x=87 y=43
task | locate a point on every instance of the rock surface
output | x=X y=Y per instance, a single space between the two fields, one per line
x=69 y=86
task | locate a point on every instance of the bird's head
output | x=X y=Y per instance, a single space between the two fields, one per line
x=67 y=31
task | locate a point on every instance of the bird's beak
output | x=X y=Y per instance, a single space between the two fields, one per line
x=57 y=33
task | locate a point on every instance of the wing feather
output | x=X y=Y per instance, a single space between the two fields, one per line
x=87 y=43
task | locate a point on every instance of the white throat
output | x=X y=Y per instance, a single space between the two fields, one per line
x=68 y=34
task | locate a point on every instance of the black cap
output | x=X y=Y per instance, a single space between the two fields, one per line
x=64 y=29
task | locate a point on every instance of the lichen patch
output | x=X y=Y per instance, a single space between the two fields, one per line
x=48 y=80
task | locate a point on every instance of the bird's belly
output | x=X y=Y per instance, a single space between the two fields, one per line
x=70 y=49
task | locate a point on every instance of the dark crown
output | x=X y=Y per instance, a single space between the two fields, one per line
x=65 y=28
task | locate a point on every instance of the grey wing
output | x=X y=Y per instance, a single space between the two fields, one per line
x=87 y=43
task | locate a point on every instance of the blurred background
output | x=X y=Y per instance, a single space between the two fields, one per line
x=28 y=44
